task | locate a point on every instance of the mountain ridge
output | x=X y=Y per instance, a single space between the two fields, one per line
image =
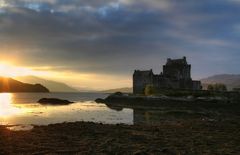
x=230 y=80
x=53 y=86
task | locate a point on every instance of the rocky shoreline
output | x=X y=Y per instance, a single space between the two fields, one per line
x=168 y=138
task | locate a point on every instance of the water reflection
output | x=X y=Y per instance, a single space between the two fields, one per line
x=6 y=107
x=20 y=127
x=22 y=110
x=143 y=115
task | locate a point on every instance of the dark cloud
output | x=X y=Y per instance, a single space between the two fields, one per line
x=107 y=36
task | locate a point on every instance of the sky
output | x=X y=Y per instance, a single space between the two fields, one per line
x=97 y=44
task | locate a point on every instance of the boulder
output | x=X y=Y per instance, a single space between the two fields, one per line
x=100 y=100
x=54 y=101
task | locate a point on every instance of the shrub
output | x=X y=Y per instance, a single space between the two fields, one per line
x=149 y=90
x=217 y=87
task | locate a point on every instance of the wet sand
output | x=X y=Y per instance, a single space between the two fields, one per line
x=190 y=136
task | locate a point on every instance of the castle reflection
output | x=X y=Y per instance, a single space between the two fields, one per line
x=143 y=116
x=146 y=115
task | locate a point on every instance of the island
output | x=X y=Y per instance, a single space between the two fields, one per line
x=173 y=86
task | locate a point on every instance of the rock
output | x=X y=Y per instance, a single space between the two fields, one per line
x=190 y=97
x=140 y=153
x=54 y=101
x=168 y=151
x=116 y=108
x=118 y=94
x=100 y=100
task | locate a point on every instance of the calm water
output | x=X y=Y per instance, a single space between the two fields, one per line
x=21 y=110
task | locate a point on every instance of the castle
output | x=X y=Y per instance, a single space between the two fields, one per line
x=176 y=75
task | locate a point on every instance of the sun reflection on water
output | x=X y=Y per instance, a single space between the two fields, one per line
x=6 y=107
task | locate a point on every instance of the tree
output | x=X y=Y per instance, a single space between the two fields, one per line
x=217 y=87
x=210 y=87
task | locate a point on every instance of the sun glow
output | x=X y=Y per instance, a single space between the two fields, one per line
x=6 y=107
x=9 y=70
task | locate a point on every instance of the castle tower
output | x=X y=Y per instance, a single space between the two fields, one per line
x=177 y=69
x=141 y=79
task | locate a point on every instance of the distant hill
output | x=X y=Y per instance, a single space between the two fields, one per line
x=11 y=85
x=124 y=90
x=53 y=86
x=230 y=80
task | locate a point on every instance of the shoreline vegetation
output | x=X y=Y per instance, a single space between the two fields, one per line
x=171 y=96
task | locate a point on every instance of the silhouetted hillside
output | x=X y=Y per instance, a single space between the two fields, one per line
x=11 y=85
x=53 y=86
x=230 y=80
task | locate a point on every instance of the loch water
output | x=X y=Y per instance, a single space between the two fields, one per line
x=22 y=109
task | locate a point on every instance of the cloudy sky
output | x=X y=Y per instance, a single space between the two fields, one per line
x=97 y=44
